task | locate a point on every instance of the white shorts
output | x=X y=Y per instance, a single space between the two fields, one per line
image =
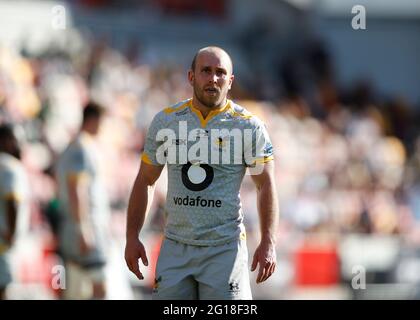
x=188 y=272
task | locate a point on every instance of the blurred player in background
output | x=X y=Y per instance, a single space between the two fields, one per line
x=85 y=209
x=13 y=197
x=204 y=253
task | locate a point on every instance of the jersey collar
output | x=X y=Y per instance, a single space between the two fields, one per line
x=211 y=115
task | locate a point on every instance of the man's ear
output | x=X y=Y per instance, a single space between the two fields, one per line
x=232 y=77
x=191 y=77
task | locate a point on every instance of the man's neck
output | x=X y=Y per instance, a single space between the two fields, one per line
x=204 y=110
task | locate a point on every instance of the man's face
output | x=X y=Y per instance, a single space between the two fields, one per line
x=212 y=78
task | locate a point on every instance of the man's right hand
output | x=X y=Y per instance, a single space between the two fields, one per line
x=134 y=250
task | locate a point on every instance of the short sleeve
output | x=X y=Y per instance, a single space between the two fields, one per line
x=151 y=148
x=258 y=147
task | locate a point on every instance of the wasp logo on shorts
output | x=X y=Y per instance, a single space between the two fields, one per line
x=234 y=287
x=197 y=177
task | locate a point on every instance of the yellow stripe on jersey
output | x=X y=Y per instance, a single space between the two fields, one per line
x=211 y=115
x=145 y=158
x=264 y=160
x=170 y=110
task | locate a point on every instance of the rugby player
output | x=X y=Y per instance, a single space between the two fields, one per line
x=204 y=253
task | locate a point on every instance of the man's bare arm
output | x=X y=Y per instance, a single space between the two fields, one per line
x=139 y=203
x=267 y=203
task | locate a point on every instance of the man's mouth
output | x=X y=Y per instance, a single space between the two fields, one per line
x=212 y=91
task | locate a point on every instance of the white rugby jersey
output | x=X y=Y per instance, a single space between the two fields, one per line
x=206 y=161
x=82 y=159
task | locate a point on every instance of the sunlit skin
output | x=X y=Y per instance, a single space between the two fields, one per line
x=211 y=79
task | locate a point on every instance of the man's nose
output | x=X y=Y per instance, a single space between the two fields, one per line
x=213 y=78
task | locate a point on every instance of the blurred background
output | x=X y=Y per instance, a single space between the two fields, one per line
x=342 y=107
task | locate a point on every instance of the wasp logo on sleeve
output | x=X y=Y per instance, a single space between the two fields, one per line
x=268 y=150
x=197 y=177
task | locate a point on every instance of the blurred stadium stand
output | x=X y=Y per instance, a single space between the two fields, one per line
x=342 y=108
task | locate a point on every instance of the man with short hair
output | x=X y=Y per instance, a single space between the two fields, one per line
x=204 y=253
x=85 y=211
x=13 y=200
